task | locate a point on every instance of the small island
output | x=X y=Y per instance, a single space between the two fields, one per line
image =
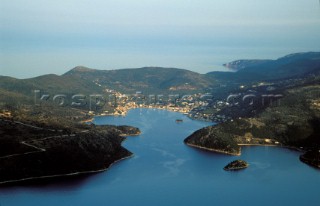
x=236 y=165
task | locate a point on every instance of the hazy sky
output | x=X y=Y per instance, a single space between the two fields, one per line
x=42 y=36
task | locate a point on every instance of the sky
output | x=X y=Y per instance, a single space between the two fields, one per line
x=40 y=36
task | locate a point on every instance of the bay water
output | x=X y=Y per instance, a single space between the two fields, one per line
x=165 y=171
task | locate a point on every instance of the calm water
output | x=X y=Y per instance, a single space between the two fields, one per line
x=164 y=171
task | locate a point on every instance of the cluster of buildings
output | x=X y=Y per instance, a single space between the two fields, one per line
x=185 y=104
x=5 y=114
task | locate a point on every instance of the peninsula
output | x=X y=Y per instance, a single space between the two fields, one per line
x=34 y=150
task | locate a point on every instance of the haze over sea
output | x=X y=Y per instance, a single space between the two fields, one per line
x=41 y=36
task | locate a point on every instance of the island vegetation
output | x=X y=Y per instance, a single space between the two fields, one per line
x=236 y=165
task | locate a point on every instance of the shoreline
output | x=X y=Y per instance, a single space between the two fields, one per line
x=138 y=107
x=244 y=145
x=130 y=135
x=214 y=150
x=309 y=162
x=236 y=168
x=266 y=145
x=65 y=175
x=184 y=112
x=275 y=145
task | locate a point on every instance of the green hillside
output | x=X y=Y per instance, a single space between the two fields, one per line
x=147 y=79
x=295 y=122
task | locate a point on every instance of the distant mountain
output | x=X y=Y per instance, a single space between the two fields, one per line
x=83 y=80
x=157 y=79
x=242 y=64
x=22 y=90
x=286 y=67
x=49 y=83
x=290 y=66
